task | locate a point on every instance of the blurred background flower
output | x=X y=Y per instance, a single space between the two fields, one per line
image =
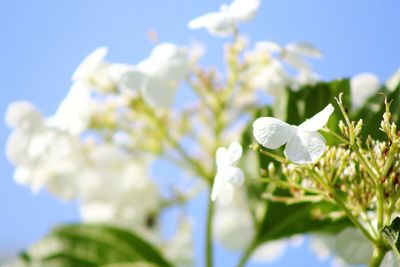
x=43 y=43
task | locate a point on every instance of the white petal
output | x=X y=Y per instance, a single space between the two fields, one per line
x=268 y=46
x=243 y=10
x=296 y=61
x=362 y=87
x=23 y=115
x=217 y=187
x=217 y=23
x=75 y=110
x=90 y=64
x=132 y=80
x=117 y=71
x=304 y=49
x=231 y=174
x=158 y=93
x=222 y=157
x=226 y=194
x=271 y=132
x=273 y=78
x=305 y=147
x=23 y=175
x=17 y=147
x=318 y=121
x=233 y=226
x=235 y=151
x=393 y=81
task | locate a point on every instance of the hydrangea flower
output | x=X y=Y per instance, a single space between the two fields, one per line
x=293 y=53
x=303 y=143
x=362 y=87
x=223 y=23
x=228 y=175
x=158 y=76
x=23 y=115
x=75 y=110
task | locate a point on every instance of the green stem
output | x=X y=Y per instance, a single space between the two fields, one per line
x=343 y=206
x=377 y=257
x=209 y=240
x=247 y=253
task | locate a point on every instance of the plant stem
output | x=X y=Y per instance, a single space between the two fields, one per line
x=247 y=253
x=377 y=257
x=209 y=240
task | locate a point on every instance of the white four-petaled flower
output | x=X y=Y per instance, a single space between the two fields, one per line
x=223 y=23
x=157 y=77
x=228 y=174
x=303 y=143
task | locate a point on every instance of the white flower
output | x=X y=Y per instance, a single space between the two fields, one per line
x=293 y=53
x=23 y=115
x=273 y=78
x=362 y=87
x=90 y=65
x=231 y=220
x=303 y=143
x=95 y=72
x=74 y=112
x=158 y=76
x=228 y=175
x=115 y=188
x=393 y=81
x=223 y=23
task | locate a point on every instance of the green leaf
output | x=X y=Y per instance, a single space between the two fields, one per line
x=90 y=246
x=284 y=220
x=391 y=235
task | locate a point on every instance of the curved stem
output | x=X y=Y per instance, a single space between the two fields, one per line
x=247 y=253
x=377 y=257
x=209 y=240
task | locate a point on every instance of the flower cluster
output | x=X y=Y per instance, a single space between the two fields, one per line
x=118 y=119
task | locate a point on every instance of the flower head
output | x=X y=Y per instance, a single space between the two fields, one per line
x=303 y=143
x=158 y=76
x=228 y=175
x=223 y=23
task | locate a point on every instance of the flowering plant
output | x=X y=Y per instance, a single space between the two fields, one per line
x=336 y=179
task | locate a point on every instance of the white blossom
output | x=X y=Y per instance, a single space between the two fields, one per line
x=303 y=143
x=362 y=87
x=96 y=73
x=75 y=110
x=273 y=77
x=228 y=174
x=394 y=81
x=23 y=115
x=115 y=188
x=223 y=22
x=158 y=76
x=231 y=220
x=293 y=53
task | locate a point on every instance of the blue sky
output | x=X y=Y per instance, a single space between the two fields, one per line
x=42 y=42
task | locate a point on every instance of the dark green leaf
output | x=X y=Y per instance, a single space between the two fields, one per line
x=284 y=220
x=391 y=235
x=90 y=246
